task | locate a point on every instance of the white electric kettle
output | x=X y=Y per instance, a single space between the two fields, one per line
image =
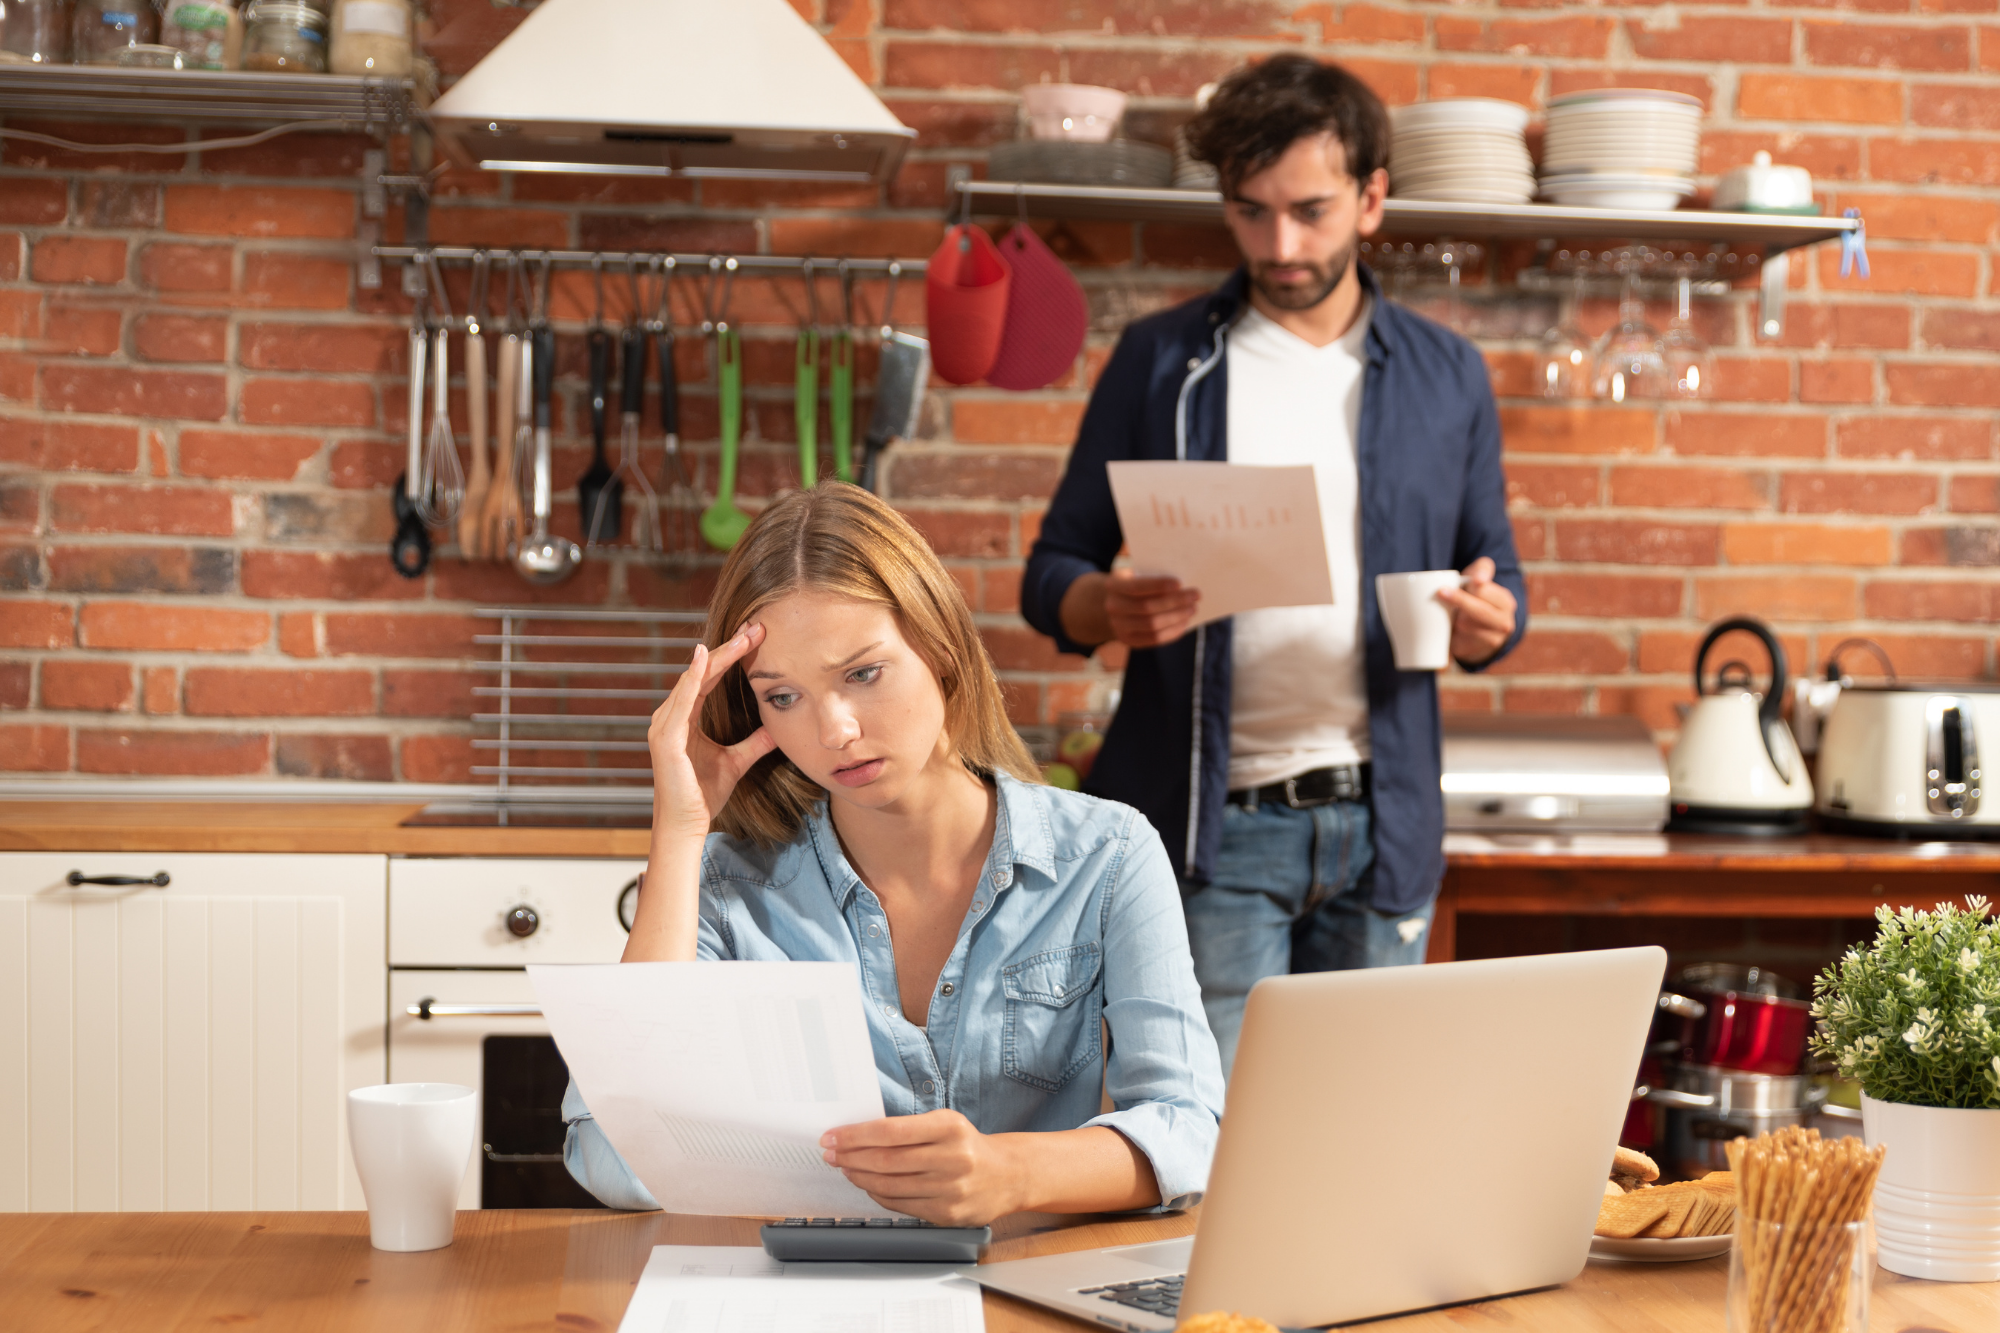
x=1736 y=768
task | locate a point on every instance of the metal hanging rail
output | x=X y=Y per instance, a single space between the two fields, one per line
x=824 y=265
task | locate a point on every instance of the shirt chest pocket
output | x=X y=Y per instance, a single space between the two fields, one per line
x=1052 y=1020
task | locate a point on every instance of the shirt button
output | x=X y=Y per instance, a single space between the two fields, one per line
x=929 y=1086
x=1194 y=363
x=999 y=878
x=889 y=1010
x=946 y=989
x=874 y=931
x=978 y=905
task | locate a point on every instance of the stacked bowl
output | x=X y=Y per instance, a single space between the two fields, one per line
x=1465 y=150
x=1633 y=148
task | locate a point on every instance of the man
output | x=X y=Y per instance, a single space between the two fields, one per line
x=1290 y=767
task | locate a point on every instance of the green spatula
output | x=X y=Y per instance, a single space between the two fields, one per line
x=722 y=523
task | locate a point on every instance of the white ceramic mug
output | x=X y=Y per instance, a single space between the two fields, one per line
x=412 y=1143
x=1419 y=624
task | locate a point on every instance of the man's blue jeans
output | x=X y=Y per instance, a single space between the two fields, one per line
x=1290 y=894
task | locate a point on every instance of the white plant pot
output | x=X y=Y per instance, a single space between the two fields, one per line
x=1937 y=1201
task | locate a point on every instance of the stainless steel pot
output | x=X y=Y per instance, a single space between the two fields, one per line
x=1706 y=1106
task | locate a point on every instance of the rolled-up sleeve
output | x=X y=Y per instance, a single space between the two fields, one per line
x=1163 y=1075
x=594 y=1164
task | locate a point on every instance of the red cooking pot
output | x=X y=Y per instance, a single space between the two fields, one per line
x=1754 y=1021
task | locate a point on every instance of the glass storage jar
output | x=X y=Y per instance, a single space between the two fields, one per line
x=372 y=37
x=208 y=33
x=103 y=28
x=284 y=36
x=36 y=31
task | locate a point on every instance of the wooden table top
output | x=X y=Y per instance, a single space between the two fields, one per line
x=574 y=1271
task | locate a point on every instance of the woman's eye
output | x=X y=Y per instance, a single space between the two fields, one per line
x=864 y=675
x=780 y=699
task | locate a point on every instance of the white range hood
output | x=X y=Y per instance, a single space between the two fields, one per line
x=717 y=88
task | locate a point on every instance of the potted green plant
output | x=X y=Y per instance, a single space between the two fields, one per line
x=1915 y=1018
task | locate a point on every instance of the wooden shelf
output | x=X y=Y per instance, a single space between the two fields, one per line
x=110 y=91
x=1772 y=234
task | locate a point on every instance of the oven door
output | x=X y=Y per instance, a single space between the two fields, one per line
x=478 y=1035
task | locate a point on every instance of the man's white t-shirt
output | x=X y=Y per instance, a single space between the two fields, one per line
x=1300 y=694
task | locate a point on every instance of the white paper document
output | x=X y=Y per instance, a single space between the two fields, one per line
x=740 y=1289
x=1248 y=537
x=714 y=1081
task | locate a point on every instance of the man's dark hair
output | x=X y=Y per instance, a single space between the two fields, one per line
x=1263 y=109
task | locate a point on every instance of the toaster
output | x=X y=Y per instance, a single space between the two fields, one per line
x=1909 y=761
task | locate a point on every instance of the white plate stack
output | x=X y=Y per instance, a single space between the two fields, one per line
x=1631 y=148
x=1465 y=150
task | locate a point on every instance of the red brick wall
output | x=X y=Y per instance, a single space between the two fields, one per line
x=199 y=409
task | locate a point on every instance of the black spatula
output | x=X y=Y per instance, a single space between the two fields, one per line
x=600 y=492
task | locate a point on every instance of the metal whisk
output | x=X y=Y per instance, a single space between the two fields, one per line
x=440 y=490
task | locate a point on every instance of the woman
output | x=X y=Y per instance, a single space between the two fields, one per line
x=853 y=792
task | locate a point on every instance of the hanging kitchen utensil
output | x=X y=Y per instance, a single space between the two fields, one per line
x=599 y=492
x=441 y=486
x=410 y=549
x=805 y=385
x=840 y=381
x=1047 y=315
x=472 y=515
x=680 y=533
x=502 y=517
x=722 y=523
x=899 y=385
x=632 y=392
x=966 y=288
x=543 y=558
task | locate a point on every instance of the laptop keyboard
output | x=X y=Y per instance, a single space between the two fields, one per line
x=1154 y=1295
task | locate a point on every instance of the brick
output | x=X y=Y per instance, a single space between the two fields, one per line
x=324 y=576
x=488 y=584
x=1914 y=437
x=21 y=569
x=34 y=748
x=1560 y=701
x=245 y=456
x=1552 y=485
x=45 y=157
x=298 y=634
x=497 y=227
x=1000 y=590
x=370 y=349
x=1935 y=161
x=290 y=212
x=1746 y=379
x=145 y=627
x=1944 y=385
x=1581 y=594
x=92 y=260
x=172 y=753
x=167 y=337
x=1714 y=39
x=1550 y=652
x=1746 y=434
x=1226 y=18
x=1819 y=98
x=833 y=236
x=1013 y=475
x=1587 y=79
x=1508 y=83
x=1531 y=538
x=429 y=693
x=26 y=624
x=1975 y=495
x=87 y=686
x=1886 y=46
x=1597 y=431
x=307 y=402
x=1933 y=598
x=1926 y=272
x=168 y=266
x=1839 y=380
x=1354 y=24
x=78 y=330
x=1464 y=700
x=125 y=391
x=312 y=155
x=1847 y=326
x=958 y=532
x=236 y=692
x=365 y=464
x=16 y=680
x=121 y=205
x=160 y=690
x=1663 y=651
x=1827 y=156
x=368 y=634
x=20 y=315
x=295 y=282
x=1806 y=544
x=1584 y=37
x=322 y=516
x=1015 y=420
x=1857 y=493
x=204 y=570
x=1956 y=106
x=1905 y=217
x=1151 y=73
x=1961 y=545
x=20 y=506
x=50 y=444
x=1973 y=330
x=31 y=202
x=1933 y=657
x=1018 y=648
x=919 y=64
x=352 y=758
x=1787 y=597
x=438 y=758
x=1636 y=542
x=183 y=511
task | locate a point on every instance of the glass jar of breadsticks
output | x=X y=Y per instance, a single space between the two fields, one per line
x=1801 y=1262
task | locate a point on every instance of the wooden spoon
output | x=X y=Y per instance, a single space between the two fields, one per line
x=502 y=511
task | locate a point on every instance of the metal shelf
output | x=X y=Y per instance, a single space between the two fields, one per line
x=1410 y=217
x=100 y=91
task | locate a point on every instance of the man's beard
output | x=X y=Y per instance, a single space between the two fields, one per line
x=1303 y=296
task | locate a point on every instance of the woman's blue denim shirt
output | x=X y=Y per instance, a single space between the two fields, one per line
x=1077 y=918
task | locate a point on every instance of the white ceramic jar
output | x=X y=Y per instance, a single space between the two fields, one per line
x=1937 y=1201
x=372 y=37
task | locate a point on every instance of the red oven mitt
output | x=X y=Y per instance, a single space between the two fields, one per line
x=1047 y=316
x=966 y=296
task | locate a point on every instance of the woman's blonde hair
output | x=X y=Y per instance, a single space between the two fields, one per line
x=840 y=539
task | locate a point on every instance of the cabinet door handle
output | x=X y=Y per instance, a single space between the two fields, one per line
x=158 y=881
x=428 y=1008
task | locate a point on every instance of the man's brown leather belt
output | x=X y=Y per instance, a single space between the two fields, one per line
x=1344 y=782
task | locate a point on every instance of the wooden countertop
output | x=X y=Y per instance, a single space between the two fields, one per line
x=1686 y=851
x=557 y=1269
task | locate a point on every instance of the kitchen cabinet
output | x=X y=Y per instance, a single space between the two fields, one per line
x=187 y=1046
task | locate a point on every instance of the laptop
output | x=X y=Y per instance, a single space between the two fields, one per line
x=1394 y=1139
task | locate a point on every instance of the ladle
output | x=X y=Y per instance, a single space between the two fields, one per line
x=542 y=558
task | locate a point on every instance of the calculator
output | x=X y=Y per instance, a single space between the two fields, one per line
x=875 y=1240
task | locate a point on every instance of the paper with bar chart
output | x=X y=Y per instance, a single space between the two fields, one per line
x=714 y=1081
x=1248 y=537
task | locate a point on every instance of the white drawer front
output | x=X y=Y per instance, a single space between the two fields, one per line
x=453 y=912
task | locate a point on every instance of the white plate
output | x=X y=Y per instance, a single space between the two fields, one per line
x=1483 y=111
x=1679 y=1249
x=1453 y=194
